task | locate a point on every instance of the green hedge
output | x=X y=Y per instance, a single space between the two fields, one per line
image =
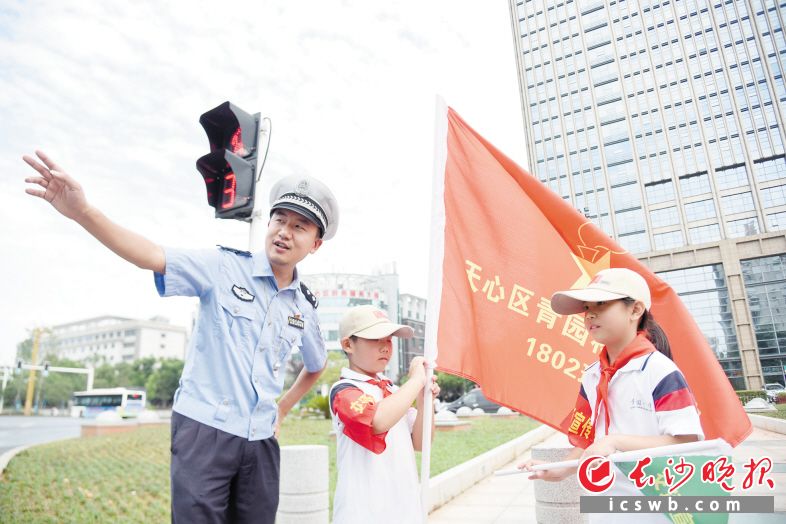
x=746 y=394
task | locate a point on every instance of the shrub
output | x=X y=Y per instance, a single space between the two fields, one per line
x=319 y=404
x=746 y=394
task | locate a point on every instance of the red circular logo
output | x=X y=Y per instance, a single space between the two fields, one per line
x=593 y=474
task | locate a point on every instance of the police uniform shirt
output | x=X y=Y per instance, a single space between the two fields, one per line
x=246 y=330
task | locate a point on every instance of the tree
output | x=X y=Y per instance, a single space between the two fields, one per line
x=452 y=387
x=141 y=370
x=164 y=381
x=336 y=360
x=14 y=396
x=58 y=387
x=104 y=377
x=24 y=349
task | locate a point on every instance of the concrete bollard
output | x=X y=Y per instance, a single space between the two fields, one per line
x=303 y=491
x=107 y=423
x=556 y=502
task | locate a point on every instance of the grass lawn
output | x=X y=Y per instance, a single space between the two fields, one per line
x=781 y=413
x=125 y=477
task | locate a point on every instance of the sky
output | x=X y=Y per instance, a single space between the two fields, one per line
x=113 y=91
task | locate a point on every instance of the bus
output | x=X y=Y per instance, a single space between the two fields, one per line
x=125 y=402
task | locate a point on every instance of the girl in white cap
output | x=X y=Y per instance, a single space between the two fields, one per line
x=634 y=396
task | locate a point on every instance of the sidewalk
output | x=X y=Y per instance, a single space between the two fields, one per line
x=511 y=499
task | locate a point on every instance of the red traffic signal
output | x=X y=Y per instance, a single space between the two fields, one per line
x=229 y=170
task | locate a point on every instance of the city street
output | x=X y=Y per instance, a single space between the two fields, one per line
x=18 y=431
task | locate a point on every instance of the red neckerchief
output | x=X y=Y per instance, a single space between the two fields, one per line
x=381 y=384
x=638 y=347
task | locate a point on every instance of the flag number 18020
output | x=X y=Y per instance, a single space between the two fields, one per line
x=545 y=354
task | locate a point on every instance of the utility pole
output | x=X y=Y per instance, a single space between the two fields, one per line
x=31 y=377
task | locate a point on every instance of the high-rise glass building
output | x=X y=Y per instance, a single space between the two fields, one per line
x=663 y=122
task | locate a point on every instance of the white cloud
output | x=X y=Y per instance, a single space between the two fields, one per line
x=114 y=92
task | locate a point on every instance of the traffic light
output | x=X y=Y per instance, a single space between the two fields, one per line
x=229 y=170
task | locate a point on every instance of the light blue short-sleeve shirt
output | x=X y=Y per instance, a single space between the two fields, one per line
x=245 y=333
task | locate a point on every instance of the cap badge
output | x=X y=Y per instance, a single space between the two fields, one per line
x=302 y=188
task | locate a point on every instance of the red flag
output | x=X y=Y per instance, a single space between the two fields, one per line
x=509 y=243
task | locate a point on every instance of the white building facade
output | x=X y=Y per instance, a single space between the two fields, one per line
x=111 y=340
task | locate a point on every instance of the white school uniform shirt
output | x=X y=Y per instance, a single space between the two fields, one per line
x=380 y=488
x=647 y=396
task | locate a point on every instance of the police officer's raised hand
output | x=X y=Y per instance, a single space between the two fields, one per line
x=66 y=195
x=63 y=192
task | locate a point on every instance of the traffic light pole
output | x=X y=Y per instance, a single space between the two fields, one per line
x=256 y=234
x=31 y=378
x=45 y=369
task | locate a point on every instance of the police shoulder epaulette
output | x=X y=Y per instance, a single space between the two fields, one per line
x=236 y=251
x=309 y=295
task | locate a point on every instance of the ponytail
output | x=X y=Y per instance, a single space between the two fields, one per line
x=652 y=329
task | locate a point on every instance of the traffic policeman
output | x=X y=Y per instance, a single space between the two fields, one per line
x=254 y=313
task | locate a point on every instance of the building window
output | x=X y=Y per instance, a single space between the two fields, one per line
x=776 y=221
x=731 y=177
x=738 y=203
x=622 y=172
x=659 y=192
x=630 y=221
x=668 y=240
x=744 y=227
x=703 y=291
x=773 y=196
x=702 y=234
x=765 y=285
x=700 y=210
x=693 y=185
x=626 y=197
x=635 y=243
x=665 y=217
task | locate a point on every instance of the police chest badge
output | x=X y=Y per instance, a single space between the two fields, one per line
x=242 y=293
x=296 y=321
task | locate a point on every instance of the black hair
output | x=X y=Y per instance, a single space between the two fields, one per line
x=353 y=338
x=652 y=329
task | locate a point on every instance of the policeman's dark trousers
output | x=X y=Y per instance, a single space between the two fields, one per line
x=221 y=478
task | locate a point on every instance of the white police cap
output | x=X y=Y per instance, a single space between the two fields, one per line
x=309 y=197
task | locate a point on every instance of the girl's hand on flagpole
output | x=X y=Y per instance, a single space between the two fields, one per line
x=434 y=387
x=549 y=475
x=602 y=447
x=434 y=392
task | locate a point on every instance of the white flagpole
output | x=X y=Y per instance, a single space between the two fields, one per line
x=718 y=445
x=436 y=255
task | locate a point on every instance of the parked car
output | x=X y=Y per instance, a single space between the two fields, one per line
x=473 y=399
x=773 y=390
